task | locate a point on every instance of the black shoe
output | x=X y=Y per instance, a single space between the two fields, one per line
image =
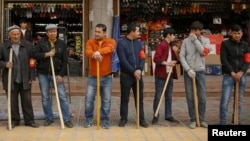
x=33 y=124
x=155 y=120
x=171 y=119
x=144 y=124
x=13 y=125
x=68 y=124
x=122 y=123
x=47 y=122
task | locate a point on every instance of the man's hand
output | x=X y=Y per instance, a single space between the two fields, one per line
x=237 y=76
x=49 y=54
x=172 y=63
x=59 y=79
x=97 y=55
x=9 y=65
x=137 y=74
x=192 y=37
x=191 y=73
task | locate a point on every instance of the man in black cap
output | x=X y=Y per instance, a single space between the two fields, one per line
x=48 y=47
x=22 y=75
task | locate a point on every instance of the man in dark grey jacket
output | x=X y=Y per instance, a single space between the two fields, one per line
x=48 y=47
x=23 y=74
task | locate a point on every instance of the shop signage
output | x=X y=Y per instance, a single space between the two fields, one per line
x=215 y=39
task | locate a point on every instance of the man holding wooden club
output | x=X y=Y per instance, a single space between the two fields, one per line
x=51 y=47
x=235 y=60
x=165 y=59
x=192 y=57
x=23 y=73
x=99 y=50
x=132 y=58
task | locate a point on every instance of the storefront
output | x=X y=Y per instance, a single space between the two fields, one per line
x=154 y=15
x=67 y=14
x=76 y=19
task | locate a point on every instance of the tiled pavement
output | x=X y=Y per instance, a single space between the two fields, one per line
x=163 y=131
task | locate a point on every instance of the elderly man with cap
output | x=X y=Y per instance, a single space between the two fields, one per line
x=23 y=74
x=51 y=46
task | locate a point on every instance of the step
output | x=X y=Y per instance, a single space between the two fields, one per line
x=78 y=85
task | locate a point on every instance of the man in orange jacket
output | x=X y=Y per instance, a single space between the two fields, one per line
x=99 y=50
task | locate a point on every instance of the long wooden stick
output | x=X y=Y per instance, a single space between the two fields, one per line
x=196 y=103
x=98 y=95
x=137 y=104
x=9 y=91
x=56 y=93
x=236 y=103
x=68 y=83
x=163 y=92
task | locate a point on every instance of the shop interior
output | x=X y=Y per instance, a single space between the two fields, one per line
x=153 y=15
x=68 y=17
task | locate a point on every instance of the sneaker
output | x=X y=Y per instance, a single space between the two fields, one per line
x=68 y=124
x=144 y=124
x=204 y=124
x=32 y=124
x=105 y=124
x=155 y=120
x=172 y=119
x=47 y=122
x=87 y=123
x=192 y=125
x=122 y=123
x=13 y=125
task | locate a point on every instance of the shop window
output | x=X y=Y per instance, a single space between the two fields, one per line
x=68 y=17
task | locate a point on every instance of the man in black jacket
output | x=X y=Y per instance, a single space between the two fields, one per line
x=23 y=74
x=234 y=56
x=48 y=47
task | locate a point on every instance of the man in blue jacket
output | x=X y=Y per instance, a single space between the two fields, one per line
x=132 y=58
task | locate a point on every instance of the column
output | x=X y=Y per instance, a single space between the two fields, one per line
x=101 y=11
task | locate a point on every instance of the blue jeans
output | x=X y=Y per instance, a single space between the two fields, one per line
x=200 y=79
x=105 y=93
x=159 y=85
x=44 y=82
x=228 y=84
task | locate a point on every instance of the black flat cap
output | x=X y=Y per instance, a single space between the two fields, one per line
x=51 y=26
x=12 y=28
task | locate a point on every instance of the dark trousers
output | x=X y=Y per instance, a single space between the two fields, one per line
x=127 y=82
x=26 y=104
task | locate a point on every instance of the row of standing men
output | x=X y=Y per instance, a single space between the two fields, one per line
x=234 y=58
